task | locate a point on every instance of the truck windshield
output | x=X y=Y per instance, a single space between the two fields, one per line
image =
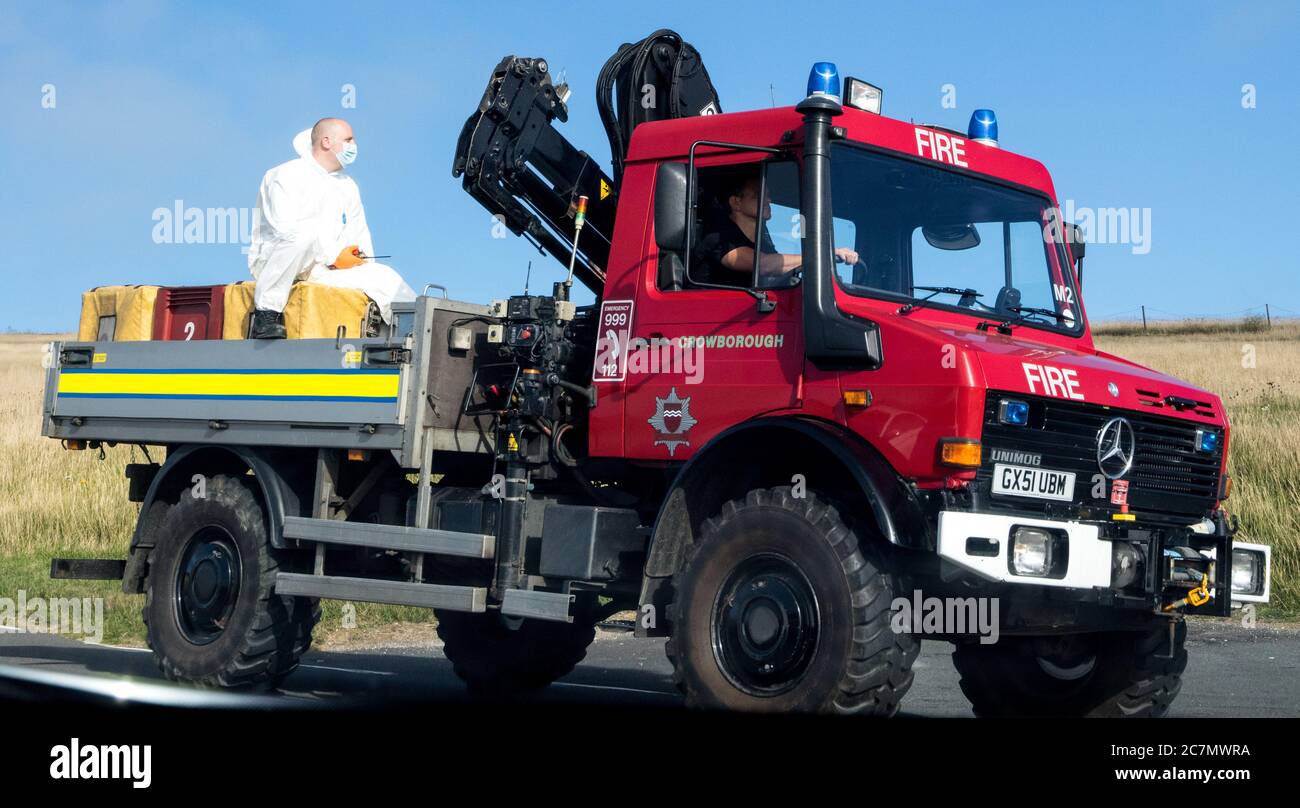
x=955 y=241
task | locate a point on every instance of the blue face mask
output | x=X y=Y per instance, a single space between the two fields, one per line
x=347 y=155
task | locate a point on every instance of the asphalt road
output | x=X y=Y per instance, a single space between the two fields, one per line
x=1233 y=672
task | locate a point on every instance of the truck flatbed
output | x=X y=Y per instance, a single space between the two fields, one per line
x=379 y=393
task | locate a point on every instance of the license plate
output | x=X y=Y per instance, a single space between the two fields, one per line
x=1027 y=481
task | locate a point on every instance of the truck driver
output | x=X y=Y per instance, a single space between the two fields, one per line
x=725 y=254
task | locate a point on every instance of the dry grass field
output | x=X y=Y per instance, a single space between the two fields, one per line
x=57 y=503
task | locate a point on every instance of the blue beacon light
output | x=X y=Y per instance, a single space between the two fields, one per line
x=983 y=127
x=1013 y=413
x=824 y=80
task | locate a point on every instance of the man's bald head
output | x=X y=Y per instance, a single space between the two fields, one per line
x=328 y=137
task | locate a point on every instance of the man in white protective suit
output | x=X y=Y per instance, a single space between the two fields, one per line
x=310 y=225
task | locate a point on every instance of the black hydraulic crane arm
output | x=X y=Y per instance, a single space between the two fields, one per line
x=522 y=170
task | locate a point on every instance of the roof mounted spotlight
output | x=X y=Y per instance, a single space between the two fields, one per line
x=861 y=95
x=983 y=127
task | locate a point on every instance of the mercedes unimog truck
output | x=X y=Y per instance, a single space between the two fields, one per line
x=831 y=363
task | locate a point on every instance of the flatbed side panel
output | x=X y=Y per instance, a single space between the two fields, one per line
x=439 y=380
x=303 y=383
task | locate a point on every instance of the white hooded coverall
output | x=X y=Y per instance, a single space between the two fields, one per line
x=305 y=216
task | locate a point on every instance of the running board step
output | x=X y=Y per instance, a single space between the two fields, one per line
x=370 y=590
x=391 y=537
x=88 y=569
x=538 y=605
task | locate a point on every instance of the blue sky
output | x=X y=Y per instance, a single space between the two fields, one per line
x=1130 y=105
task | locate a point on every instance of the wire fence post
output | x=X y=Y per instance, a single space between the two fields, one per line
x=1268 y=316
x=1144 y=318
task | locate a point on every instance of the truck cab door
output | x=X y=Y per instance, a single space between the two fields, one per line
x=701 y=359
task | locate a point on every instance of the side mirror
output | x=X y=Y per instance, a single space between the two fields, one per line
x=671 y=207
x=1074 y=236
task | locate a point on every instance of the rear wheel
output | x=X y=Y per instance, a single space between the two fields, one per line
x=210 y=613
x=781 y=608
x=495 y=660
x=1115 y=674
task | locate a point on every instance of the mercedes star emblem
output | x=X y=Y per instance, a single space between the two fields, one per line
x=1115 y=448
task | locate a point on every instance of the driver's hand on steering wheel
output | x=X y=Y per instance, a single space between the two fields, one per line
x=846 y=255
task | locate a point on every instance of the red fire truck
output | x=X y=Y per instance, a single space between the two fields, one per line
x=837 y=364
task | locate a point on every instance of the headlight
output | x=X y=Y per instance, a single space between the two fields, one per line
x=1031 y=551
x=1250 y=569
x=1245 y=572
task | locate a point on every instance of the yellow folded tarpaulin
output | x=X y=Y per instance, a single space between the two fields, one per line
x=131 y=305
x=314 y=311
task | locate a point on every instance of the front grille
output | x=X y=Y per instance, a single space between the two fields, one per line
x=1168 y=474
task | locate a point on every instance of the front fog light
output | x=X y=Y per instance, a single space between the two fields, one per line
x=1245 y=572
x=1031 y=551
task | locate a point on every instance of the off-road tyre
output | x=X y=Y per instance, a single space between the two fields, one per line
x=496 y=661
x=1012 y=677
x=257 y=637
x=741 y=637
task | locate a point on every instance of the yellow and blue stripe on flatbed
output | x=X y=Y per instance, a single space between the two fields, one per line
x=367 y=385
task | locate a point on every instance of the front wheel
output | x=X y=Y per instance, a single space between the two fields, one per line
x=781 y=608
x=1115 y=674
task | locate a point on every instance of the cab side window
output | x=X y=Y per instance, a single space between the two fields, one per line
x=740 y=207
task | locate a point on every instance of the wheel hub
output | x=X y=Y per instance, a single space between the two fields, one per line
x=765 y=625
x=1066 y=659
x=207 y=585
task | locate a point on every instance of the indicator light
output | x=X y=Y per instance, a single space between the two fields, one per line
x=857 y=398
x=959 y=452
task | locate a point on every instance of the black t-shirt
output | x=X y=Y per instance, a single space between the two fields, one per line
x=720 y=238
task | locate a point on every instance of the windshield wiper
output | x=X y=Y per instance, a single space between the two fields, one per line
x=938 y=290
x=1023 y=313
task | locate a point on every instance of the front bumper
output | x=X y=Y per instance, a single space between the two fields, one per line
x=979 y=545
